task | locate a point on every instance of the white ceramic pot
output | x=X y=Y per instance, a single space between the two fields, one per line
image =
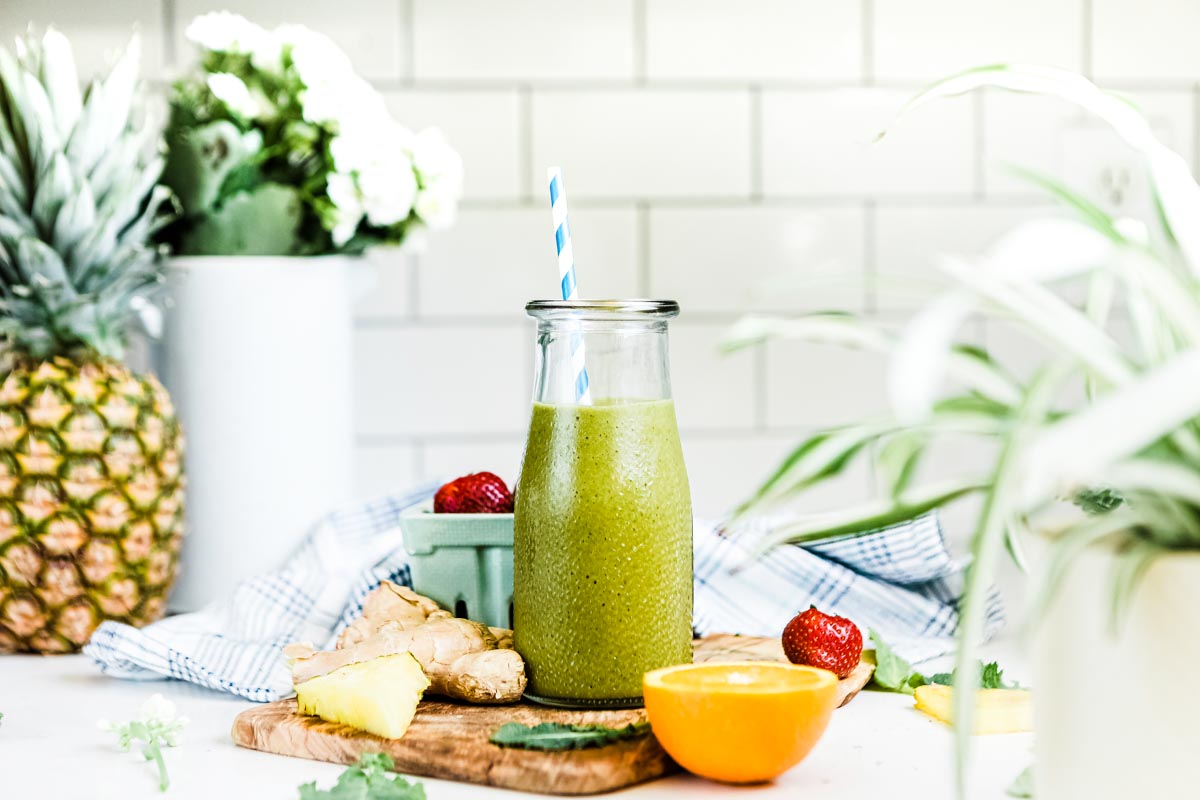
x=257 y=356
x=1116 y=716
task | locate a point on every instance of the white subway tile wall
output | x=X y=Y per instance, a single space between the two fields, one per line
x=714 y=152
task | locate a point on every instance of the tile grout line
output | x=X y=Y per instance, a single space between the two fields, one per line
x=418 y=459
x=525 y=142
x=586 y=85
x=412 y=263
x=1196 y=123
x=760 y=389
x=639 y=42
x=870 y=299
x=954 y=200
x=867 y=21
x=643 y=249
x=979 y=118
x=1087 y=24
x=757 y=177
x=408 y=15
x=168 y=32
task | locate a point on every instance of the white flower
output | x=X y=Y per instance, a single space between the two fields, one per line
x=437 y=206
x=266 y=54
x=231 y=91
x=224 y=31
x=316 y=58
x=388 y=190
x=341 y=190
x=347 y=102
x=435 y=159
x=348 y=210
x=157 y=709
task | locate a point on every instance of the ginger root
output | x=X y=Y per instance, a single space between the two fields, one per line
x=463 y=660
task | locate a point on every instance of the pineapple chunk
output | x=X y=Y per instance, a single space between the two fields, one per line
x=379 y=696
x=996 y=710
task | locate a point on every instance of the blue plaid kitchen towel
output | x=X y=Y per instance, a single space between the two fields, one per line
x=901 y=581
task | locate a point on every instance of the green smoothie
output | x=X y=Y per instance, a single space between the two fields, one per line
x=602 y=551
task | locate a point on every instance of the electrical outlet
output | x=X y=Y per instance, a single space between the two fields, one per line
x=1094 y=161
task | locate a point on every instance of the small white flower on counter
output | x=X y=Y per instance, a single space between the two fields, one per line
x=156 y=726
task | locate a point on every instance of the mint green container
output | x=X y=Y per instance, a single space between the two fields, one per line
x=462 y=561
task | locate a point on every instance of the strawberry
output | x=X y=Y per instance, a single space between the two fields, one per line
x=477 y=493
x=821 y=640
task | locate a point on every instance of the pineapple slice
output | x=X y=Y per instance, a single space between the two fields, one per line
x=379 y=696
x=996 y=710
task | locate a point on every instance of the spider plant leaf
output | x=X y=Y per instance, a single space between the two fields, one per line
x=1016 y=531
x=1062 y=327
x=867 y=517
x=1176 y=189
x=918 y=366
x=981 y=373
x=827 y=327
x=1172 y=479
x=1068 y=453
x=897 y=460
x=1048 y=249
x=1066 y=549
x=1128 y=570
x=986 y=545
x=1088 y=211
x=821 y=456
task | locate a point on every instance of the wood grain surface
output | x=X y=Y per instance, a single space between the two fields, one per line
x=450 y=740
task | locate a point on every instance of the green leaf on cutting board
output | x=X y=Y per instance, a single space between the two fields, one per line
x=893 y=673
x=370 y=779
x=557 y=736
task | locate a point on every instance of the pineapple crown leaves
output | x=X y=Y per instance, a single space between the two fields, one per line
x=79 y=200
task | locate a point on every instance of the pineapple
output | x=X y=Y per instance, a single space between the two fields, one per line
x=91 y=484
x=379 y=696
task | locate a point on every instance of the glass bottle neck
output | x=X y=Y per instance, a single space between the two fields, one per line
x=616 y=360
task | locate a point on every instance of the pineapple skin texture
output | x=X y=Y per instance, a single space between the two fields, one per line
x=91 y=501
x=379 y=696
x=996 y=710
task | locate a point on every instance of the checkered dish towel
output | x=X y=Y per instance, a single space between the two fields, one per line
x=900 y=581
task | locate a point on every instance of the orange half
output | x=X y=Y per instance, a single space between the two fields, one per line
x=739 y=721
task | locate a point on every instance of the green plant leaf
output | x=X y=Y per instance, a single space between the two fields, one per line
x=260 y=222
x=1088 y=211
x=893 y=673
x=369 y=779
x=557 y=736
x=867 y=517
x=1022 y=785
x=989 y=537
x=1068 y=454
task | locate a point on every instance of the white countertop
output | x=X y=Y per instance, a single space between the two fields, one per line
x=876 y=747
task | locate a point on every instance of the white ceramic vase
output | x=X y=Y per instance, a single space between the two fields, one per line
x=257 y=355
x=1116 y=715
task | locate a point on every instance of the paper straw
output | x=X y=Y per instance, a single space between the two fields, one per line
x=566 y=275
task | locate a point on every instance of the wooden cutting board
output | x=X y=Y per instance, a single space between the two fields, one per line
x=450 y=740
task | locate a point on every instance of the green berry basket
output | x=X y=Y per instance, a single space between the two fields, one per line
x=462 y=561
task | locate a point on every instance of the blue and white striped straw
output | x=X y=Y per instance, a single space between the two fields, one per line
x=566 y=274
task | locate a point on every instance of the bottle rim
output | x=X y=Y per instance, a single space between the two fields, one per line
x=602 y=309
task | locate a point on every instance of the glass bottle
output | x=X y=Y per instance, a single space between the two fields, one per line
x=603 y=522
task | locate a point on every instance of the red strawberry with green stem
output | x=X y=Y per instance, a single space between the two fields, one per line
x=477 y=493
x=822 y=640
